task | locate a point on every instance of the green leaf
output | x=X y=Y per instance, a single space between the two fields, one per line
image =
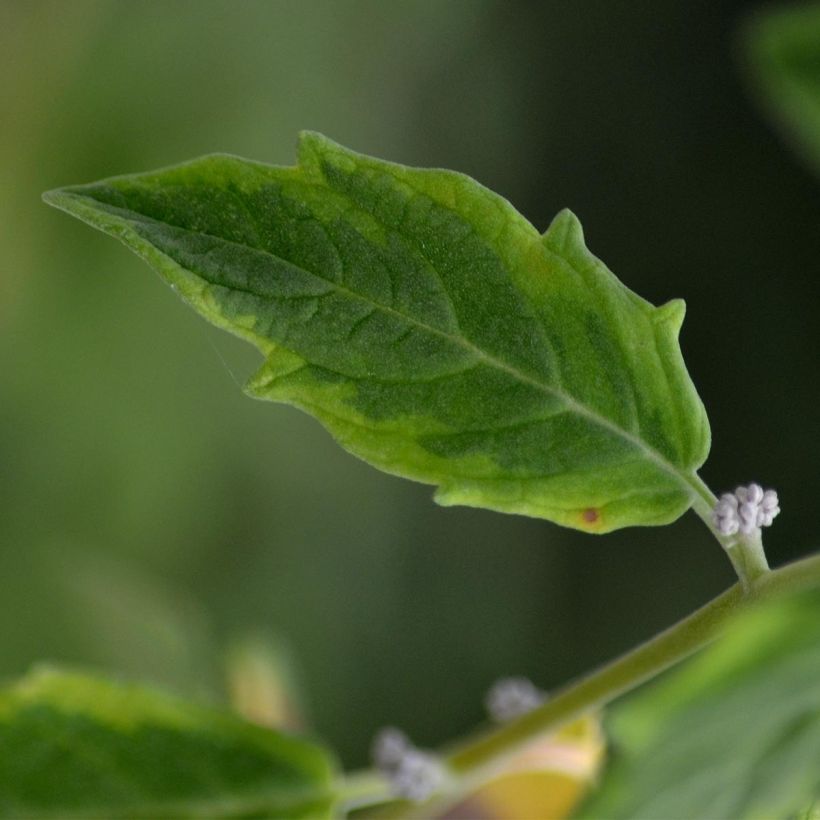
x=783 y=49
x=734 y=734
x=429 y=327
x=72 y=745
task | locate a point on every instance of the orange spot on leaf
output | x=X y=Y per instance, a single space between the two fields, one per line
x=590 y=515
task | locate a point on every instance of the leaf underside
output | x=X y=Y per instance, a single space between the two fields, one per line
x=75 y=746
x=733 y=735
x=429 y=327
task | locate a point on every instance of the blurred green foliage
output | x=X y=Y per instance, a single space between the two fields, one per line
x=733 y=734
x=150 y=514
x=783 y=48
x=78 y=746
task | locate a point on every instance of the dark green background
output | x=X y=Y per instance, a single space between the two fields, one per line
x=150 y=514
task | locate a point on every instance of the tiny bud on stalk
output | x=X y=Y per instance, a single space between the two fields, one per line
x=411 y=772
x=510 y=698
x=745 y=510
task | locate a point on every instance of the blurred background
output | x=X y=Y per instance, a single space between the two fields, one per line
x=151 y=516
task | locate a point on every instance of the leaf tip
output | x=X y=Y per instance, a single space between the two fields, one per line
x=56 y=197
x=71 y=200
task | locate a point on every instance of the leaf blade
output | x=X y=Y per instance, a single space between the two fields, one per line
x=429 y=327
x=75 y=745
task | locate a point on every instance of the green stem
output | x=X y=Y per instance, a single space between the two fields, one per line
x=704 y=499
x=478 y=759
x=356 y=790
x=600 y=687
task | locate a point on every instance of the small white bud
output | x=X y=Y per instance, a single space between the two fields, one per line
x=388 y=747
x=745 y=510
x=725 y=515
x=769 y=508
x=727 y=526
x=764 y=519
x=417 y=776
x=754 y=494
x=510 y=698
x=413 y=774
x=770 y=502
x=727 y=505
x=748 y=517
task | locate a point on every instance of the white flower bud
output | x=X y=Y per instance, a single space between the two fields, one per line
x=764 y=519
x=510 y=698
x=747 y=513
x=728 y=503
x=725 y=515
x=754 y=494
x=745 y=510
x=417 y=777
x=389 y=746
x=770 y=502
x=413 y=774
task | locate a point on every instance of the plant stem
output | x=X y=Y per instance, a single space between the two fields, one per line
x=476 y=760
x=601 y=686
x=357 y=790
x=704 y=499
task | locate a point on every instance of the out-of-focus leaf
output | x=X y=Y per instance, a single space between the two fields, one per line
x=261 y=684
x=734 y=734
x=783 y=45
x=429 y=327
x=72 y=745
x=135 y=624
x=546 y=782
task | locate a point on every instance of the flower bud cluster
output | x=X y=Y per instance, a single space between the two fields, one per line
x=413 y=774
x=745 y=510
x=510 y=698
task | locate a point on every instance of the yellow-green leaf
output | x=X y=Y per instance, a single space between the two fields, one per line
x=429 y=327
x=76 y=746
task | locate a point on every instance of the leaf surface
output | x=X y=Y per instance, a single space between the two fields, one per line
x=429 y=327
x=783 y=46
x=733 y=735
x=72 y=745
